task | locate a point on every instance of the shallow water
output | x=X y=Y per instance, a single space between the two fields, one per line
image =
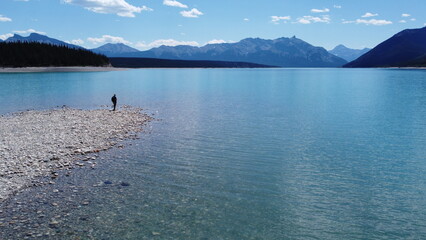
x=238 y=154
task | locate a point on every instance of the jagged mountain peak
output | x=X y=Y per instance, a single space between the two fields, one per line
x=284 y=52
x=348 y=54
x=114 y=49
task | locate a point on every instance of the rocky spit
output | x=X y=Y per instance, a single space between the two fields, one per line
x=39 y=143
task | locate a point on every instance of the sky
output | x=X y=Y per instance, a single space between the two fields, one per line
x=144 y=24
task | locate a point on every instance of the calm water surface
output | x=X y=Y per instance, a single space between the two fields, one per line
x=244 y=154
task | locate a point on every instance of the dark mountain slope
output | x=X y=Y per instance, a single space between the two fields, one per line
x=399 y=50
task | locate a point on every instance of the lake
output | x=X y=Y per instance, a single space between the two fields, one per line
x=237 y=154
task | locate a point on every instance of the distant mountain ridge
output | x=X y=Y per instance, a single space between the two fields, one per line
x=348 y=54
x=404 y=49
x=114 y=50
x=282 y=52
x=35 y=37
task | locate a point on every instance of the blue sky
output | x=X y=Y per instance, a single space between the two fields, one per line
x=144 y=24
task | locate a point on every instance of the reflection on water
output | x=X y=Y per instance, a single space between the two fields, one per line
x=238 y=154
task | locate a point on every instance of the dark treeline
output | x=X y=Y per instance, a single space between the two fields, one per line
x=33 y=54
x=171 y=63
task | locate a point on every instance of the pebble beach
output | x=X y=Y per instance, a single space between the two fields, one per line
x=39 y=143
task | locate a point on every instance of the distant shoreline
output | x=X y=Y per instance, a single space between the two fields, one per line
x=110 y=69
x=59 y=69
x=414 y=68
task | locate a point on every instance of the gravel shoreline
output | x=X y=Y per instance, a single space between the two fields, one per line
x=39 y=143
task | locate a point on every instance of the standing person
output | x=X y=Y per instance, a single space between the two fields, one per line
x=114 y=101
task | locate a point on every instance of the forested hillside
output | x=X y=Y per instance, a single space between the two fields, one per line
x=33 y=54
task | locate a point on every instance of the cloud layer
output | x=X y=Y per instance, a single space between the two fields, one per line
x=312 y=19
x=119 y=7
x=320 y=10
x=368 y=14
x=166 y=42
x=193 y=13
x=277 y=19
x=5 y=19
x=107 y=39
x=174 y=3
x=6 y=36
x=375 y=22
x=23 y=32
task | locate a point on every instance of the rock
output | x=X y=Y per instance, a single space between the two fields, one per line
x=53 y=223
x=125 y=184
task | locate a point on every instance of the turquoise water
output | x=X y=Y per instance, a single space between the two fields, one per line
x=248 y=153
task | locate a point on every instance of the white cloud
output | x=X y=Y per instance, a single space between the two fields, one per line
x=413 y=19
x=337 y=6
x=77 y=42
x=193 y=13
x=174 y=3
x=368 y=14
x=347 y=21
x=403 y=21
x=29 y=31
x=119 y=7
x=108 y=39
x=216 y=41
x=5 y=19
x=6 y=36
x=166 y=42
x=311 y=19
x=277 y=19
x=320 y=10
x=373 y=21
x=405 y=15
x=246 y=19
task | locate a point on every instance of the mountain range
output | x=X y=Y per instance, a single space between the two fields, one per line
x=404 y=49
x=281 y=52
x=348 y=54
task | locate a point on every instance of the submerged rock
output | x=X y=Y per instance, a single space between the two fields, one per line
x=125 y=184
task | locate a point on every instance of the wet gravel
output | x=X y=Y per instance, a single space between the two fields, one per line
x=36 y=146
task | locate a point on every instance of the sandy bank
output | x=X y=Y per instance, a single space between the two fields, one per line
x=59 y=69
x=37 y=143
